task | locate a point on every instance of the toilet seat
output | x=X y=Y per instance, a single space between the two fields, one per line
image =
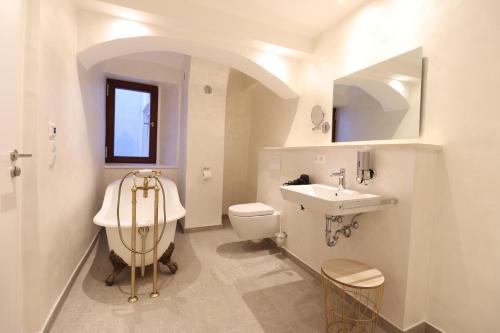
x=254 y=221
x=250 y=210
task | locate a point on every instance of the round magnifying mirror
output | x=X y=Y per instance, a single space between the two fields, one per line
x=317 y=115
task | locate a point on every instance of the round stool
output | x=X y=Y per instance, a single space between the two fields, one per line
x=353 y=294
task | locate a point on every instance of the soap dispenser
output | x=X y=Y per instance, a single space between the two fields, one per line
x=364 y=172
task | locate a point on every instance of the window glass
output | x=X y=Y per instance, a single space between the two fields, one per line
x=131 y=118
x=132 y=123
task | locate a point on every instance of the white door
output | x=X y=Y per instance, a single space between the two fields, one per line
x=11 y=91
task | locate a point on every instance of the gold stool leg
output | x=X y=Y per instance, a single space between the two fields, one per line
x=133 y=298
x=155 y=292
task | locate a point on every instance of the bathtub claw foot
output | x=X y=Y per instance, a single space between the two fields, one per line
x=118 y=265
x=173 y=267
x=166 y=259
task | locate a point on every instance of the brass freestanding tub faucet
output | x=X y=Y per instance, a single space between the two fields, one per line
x=150 y=181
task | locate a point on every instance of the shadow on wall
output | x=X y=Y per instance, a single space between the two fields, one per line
x=272 y=120
x=452 y=247
x=92 y=94
x=273 y=117
x=255 y=117
x=237 y=140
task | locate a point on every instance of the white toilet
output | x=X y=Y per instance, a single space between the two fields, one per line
x=254 y=221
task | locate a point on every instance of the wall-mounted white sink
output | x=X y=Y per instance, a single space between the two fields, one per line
x=333 y=201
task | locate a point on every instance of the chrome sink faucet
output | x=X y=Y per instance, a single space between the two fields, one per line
x=341 y=175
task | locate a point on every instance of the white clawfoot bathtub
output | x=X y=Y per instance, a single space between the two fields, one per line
x=106 y=217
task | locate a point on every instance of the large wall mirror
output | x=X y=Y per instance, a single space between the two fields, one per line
x=380 y=102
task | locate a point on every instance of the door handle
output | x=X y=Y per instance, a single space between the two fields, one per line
x=15 y=155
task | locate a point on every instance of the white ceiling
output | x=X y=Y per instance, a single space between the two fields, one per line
x=290 y=24
x=306 y=17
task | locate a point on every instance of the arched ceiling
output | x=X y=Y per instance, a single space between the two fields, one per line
x=265 y=40
x=102 y=37
x=125 y=46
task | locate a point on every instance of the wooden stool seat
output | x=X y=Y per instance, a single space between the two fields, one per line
x=352 y=273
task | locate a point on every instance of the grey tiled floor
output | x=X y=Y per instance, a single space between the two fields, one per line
x=223 y=285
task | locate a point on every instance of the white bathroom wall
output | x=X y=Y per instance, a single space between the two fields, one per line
x=459 y=40
x=168 y=138
x=255 y=117
x=455 y=35
x=68 y=191
x=272 y=119
x=204 y=144
x=183 y=124
x=252 y=112
x=237 y=187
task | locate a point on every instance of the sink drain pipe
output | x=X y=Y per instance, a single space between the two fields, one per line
x=331 y=239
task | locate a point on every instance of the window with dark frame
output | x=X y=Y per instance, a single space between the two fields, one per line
x=131 y=122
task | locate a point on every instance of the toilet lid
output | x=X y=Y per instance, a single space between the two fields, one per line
x=251 y=209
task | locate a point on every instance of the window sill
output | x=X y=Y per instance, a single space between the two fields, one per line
x=137 y=166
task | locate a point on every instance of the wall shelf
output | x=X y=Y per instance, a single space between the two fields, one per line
x=378 y=144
